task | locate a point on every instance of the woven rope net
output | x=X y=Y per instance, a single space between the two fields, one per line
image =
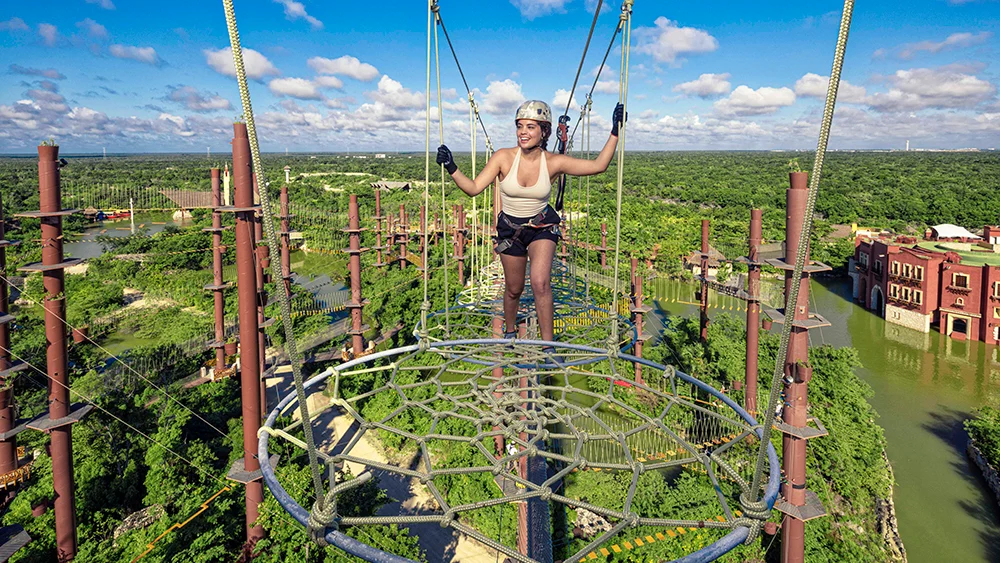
x=478 y=422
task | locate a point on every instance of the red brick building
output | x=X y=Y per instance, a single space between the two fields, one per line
x=920 y=288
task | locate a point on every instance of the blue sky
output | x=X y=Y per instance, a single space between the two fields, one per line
x=332 y=76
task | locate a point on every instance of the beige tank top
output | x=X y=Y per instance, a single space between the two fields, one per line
x=520 y=201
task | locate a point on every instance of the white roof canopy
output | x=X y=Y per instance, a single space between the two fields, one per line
x=947 y=230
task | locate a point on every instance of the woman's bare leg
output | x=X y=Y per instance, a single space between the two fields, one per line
x=541 y=252
x=513 y=277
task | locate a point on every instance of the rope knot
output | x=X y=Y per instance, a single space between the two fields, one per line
x=546 y=494
x=322 y=517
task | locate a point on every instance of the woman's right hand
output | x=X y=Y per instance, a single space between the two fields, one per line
x=444 y=157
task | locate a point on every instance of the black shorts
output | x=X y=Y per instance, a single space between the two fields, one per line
x=515 y=234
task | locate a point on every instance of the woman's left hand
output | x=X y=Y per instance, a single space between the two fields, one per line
x=619 y=117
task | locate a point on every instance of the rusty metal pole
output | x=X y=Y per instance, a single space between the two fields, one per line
x=401 y=239
x=246 y=282
x=356 y=304
x=8 y=447
x=50 y=195
x=638 y=310
x=753 y=310
x=378 y=228
x=218 y=286
x=286 y=243
x=795 y=412
x=704 y=280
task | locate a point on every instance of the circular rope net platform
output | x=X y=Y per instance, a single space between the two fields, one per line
x=487 y=435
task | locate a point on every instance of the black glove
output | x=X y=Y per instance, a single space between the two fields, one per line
x=619 y=117
x=444 y=157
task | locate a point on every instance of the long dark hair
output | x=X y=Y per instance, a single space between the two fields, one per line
x=546 y=133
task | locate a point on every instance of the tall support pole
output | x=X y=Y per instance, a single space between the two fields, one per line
x=704 y=280
x=356 y=304
x=460 y=244
x=8 y=447
x=286 y=242
x=638 y=310
x=753 y=310
x=50 y=194
x=401 y=239
x=797 y=503
x=250 y=367
x=604 y=246
x=378 y=228
x=218 y=286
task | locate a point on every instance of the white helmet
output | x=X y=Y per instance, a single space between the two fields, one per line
x=536 y=110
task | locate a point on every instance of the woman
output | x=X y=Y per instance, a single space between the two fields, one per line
x=528 y=227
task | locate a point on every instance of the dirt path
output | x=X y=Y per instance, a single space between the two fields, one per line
x=334 y=431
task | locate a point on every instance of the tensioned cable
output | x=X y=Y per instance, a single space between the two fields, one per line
x=116 y=358
x=444 y=204
x=626 y=23
x=805 y=235
x=489 y=143
x=426 y=306
x=586 y=47
x=272 y=239
x=600 y=69
x=109 y=413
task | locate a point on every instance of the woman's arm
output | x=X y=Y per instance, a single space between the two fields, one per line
x=562 y=164
x=467 y=185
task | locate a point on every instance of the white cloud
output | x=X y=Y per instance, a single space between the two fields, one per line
x=606 y=87
x=501 y=99
x=14 y=24
x=706 y=86
x=344 y=66
x=531 y=9
x=142 y=54
x=747 y=101
x=559 y=102
x=953 y=41
x=942 y=87
x=106 y=4
x=392 y=94
x=329 y=82
x=257 y=66
x=49 y=33
x=44 y=73
x=93 y=29
x=296 y=10
x=667 y=41
x=814 y=86
x=296 y=88
x=192 y=99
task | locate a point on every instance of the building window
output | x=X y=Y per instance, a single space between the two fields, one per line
x=906 y=294
x=894 y=268
x=919 y=273
x=918 y=297
x=893 y=290
x=863 y=258
x=960 y=302
x=996 y=289
x=960 y=280
x=996 y=312
x=877 y=266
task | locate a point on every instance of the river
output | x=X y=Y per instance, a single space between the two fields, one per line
x=925 y=386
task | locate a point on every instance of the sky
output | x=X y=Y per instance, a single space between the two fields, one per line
x=332 y=76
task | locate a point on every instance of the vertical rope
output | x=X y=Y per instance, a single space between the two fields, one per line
x=444 y=205
x=804 y=236
x=425 y=308
x=475 y=210
x=586 y=131
x=626 y=18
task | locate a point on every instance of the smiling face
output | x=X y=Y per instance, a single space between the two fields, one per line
x=529 y=133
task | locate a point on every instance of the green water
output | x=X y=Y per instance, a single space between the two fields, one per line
x=925 y=386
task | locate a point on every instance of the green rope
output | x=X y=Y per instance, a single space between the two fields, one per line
x=804 y=237
x=272 y=240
